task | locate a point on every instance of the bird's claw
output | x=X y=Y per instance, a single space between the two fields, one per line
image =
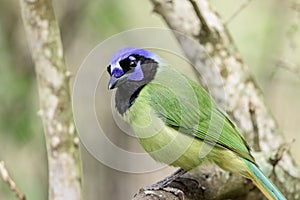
x=155 y=186
x=164 y=185
x=177 y=192
x=158 y=186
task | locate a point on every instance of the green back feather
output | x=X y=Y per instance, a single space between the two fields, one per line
x=185 y=106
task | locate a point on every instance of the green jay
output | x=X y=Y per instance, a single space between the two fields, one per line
x=176 y=121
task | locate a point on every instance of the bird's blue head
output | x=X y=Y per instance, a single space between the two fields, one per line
x=131 y=64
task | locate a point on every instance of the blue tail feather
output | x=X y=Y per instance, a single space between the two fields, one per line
x=263 y=183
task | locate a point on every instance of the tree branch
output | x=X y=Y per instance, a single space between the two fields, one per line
x=55 y=102
x=289 y=66
x=10 y=182
x=215 y=55
x=241 y=7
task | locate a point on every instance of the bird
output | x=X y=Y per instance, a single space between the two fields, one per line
x=177 y=121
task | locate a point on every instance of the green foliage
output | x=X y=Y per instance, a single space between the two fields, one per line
x=18 y=110
x=105 y=17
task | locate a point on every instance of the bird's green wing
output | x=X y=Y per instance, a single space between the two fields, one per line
x=185 y=106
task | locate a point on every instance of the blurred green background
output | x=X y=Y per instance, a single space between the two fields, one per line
x=264 y=32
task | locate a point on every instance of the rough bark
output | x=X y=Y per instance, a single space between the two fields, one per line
x=243 y=101
x=55 y=102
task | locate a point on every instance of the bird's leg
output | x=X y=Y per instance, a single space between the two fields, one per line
x=162 y=185
x=166 y=181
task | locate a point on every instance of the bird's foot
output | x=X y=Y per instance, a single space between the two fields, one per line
x=151 y=188
x=163 y=184
x=177 y=192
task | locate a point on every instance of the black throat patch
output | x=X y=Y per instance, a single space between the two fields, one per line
x=129 y=91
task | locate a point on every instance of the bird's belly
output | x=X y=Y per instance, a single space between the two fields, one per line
x=163 y=143
x=169 y=146
x=174 y=148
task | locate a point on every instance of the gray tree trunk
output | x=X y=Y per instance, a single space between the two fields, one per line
x=55 y=103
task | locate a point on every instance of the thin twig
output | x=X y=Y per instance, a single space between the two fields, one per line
x=283 y=148
x=291 y=67
x=13 y=186
x=253 y=117
x=294 y=6
x=241 y=7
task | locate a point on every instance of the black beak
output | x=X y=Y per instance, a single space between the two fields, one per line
x=112 y=82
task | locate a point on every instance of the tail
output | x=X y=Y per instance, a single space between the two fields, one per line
x=263 y=183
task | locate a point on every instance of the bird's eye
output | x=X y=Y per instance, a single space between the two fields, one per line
x=128 y=63
x=133 y=61
x=109 y=69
